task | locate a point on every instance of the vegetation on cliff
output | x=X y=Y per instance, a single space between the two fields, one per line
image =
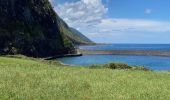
x=80 y=38
x=32 y=28
x=76 y=37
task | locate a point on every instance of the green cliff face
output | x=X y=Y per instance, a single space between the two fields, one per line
x=80 y=38
x=32 y=28
x=74 y=35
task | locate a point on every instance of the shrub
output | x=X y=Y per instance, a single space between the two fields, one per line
x=117 y=65
x=140 y=68
x=13 y=51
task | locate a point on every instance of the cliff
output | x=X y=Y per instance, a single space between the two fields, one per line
x=32 y=28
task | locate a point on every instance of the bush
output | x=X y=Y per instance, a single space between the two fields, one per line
x=140 y=68
x=117 y=65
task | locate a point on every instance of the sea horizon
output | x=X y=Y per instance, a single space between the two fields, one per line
x=98 y=43
x=116 y=46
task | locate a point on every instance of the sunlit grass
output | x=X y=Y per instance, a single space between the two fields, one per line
x=24 y=78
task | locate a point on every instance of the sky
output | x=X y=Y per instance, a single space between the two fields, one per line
x=118 y=21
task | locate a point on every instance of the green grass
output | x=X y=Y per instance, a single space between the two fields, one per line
x=32 y=79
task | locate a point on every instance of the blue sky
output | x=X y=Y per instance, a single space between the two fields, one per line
x=118 y=21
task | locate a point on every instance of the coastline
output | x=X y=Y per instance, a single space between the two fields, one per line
x=125 y=52
x=81 y=52
x=61 y=56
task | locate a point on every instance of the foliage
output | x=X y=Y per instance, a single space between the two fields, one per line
x=119 y=65
x=74 y=35
x=140 y=68
x=78 y=38
x=32 y=28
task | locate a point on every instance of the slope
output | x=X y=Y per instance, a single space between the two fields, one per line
x=32 y=28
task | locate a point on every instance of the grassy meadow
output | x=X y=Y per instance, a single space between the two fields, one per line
x=35 y=79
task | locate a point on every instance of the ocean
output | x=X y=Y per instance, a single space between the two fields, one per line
x=160 y=47
x=152 y=62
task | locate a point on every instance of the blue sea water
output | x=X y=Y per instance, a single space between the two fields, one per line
x=152 y=62
x=160 y=47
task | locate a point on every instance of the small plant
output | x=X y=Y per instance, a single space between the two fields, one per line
x=140 y=68
x=117 y=65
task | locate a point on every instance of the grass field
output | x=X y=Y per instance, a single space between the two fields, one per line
x=32 y=79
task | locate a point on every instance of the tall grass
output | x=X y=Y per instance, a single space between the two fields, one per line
x=29 y=79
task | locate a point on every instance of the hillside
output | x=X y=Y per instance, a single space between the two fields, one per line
x=74 y=35
x=33 y=79
x=32 y=28
x=80 y=38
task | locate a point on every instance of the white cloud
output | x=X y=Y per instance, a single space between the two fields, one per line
x=134 y=25
x=89 y=17
x=82 y=13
